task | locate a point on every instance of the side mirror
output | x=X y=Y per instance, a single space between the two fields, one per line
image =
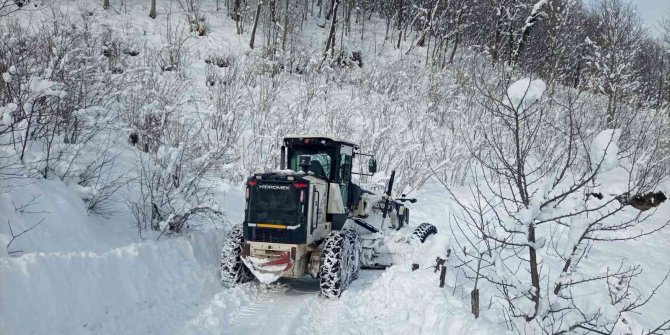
x=372 y=165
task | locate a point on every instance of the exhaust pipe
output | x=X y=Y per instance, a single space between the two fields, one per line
x=282 y=158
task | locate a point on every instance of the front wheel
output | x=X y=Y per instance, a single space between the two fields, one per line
x=424 y=230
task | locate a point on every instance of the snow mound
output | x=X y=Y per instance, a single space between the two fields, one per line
x=62 y=223
x=524 y=93
x=403 y=301
x=151 y=286
x=604 y=150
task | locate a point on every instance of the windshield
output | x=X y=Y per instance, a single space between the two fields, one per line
x=320 y=161
x=274 y=203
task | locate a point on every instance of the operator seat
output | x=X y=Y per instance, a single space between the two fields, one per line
x=316 y=167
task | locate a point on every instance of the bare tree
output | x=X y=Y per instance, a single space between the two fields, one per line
x=9 y=6
x=526 y=197
x=613 y=47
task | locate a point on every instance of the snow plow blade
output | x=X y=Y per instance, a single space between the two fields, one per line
x=268 y=269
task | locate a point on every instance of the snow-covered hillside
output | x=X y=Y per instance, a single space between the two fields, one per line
x=125 y=142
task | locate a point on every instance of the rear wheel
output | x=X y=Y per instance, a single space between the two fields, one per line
x=423 y=231
x=233 y=271
x=339 y=262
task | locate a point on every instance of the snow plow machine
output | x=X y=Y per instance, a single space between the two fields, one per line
x=309 y=219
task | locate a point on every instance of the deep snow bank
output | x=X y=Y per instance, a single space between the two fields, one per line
x=80 y=273
x=66 y=225
x=140 y=288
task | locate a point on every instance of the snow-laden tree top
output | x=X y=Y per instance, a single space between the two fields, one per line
x=523 y=93
x=605 y=150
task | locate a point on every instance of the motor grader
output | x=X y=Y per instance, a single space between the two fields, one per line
x=310 y=219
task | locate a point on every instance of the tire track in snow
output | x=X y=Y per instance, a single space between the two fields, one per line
x=281 y=309
x=330 y=317
x=288 y=307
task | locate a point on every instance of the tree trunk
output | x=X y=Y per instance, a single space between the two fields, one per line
x=428 y=28
x=495 y=50
x=272 y=30
x=253 y=30
x=285 y=32
x=152 y=11
x=534 y=272
x=578 y=69
x=510 y=43
x=611 y=109
x=659 y=94
x=350 y=6
x=363 y=25
x=525 y=32
x=457 y=38
x=329 y=12
x=237 y=16
x=399 y=24
x=330 y=45
x=388 y=27
x=273 y=11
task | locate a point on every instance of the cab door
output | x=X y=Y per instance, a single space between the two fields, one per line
x=344 y=171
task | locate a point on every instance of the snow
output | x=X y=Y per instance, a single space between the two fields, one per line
x=67 y=227
x=78 y=272
x=266 y=275
x=604 y=150
x=524 y=93
x=150 y=286
x=397 y=304
x=44 y=87
x=6 y=113
x=6 y=77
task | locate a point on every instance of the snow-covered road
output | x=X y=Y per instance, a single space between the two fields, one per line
x=286 y=307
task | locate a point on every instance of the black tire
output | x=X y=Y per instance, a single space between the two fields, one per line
x=232 y=270
x=423 y=231
x=333 y=274
x=354 y=242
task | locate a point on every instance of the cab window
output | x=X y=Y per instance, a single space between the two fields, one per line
x=320 y=162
